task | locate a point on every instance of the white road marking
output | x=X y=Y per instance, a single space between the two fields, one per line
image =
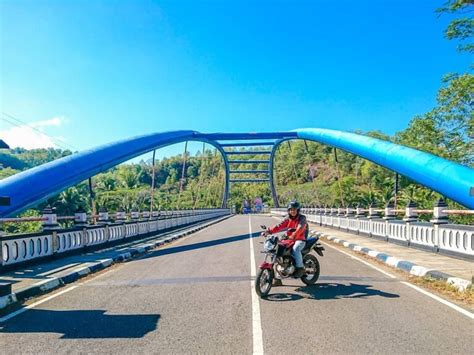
x=439 y=299
x=362 y=261
x=426 y=293
x=256 y=320
x=24 y=309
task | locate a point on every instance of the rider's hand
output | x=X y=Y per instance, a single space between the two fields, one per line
x=264 y=234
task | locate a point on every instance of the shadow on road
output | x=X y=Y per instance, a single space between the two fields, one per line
x=331 y=291
x=200 y=245
x=82 y=324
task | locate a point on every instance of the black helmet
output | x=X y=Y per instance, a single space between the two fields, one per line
x=294 y=204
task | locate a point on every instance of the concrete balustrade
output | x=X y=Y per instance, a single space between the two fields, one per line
x=53 y=240
x=23 y=248
x=438 y=235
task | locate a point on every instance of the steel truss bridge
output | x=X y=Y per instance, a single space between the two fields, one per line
x=30 y=187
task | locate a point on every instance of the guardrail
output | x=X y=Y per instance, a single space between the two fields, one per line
x=438 y=235
x=21 y=248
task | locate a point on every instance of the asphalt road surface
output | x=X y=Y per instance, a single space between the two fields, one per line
x=196 y=296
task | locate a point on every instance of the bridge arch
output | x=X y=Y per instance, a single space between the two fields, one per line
x=35 y=185
x=446 y=177
x=30 y=187
x=450 y=179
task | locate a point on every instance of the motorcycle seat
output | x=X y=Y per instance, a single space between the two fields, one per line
x=309 y=243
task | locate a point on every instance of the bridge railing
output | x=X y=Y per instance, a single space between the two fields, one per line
x=53 y=240
x=438 y=235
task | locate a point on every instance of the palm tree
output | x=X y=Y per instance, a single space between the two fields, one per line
x=369 y=198
x=69 y=201
x=129 y=176
x=387 y=191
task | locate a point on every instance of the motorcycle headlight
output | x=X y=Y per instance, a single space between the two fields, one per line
x=268 y=245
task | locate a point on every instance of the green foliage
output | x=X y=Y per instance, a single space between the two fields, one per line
x=34 y=157
x=24 y=227
x=6 y=172
x=461 y=29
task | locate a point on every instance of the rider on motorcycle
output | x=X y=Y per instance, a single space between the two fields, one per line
x=297 y=221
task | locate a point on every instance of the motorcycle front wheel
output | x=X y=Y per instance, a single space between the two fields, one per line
x=263 y=282
x=312 y=268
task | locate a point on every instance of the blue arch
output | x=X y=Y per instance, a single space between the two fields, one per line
x=32 y=186
x=35 y=185
x=450 y=179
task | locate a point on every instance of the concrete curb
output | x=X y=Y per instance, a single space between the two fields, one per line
x=74 y=275
x=403 y=265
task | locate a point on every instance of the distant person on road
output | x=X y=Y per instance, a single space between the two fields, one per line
x=297 y=221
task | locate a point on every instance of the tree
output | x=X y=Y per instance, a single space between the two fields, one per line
x=461 y=29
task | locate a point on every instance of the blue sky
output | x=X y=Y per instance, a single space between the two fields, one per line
x=91 y=72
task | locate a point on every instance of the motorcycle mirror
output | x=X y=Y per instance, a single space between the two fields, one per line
x=263 y=226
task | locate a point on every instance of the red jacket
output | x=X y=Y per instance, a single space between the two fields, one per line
x=299 y=223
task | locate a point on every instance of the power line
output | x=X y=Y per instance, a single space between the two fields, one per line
x=18 y=125
x=58 y=141
x=22 y=123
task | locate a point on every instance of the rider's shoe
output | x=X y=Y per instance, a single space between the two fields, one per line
x=300 y=271
x=277 y=282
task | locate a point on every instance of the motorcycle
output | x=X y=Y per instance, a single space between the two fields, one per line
x=278 y=259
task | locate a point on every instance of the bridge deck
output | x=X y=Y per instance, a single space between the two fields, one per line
x=196 y=296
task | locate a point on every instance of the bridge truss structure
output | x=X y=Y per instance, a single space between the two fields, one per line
x=30 y=187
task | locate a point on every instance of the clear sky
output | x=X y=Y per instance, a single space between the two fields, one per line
x=91 y=72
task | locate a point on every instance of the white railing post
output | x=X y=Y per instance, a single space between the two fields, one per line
x=80 y=218
x=135 y=216
x=340 y=215
x=359 y=214
x=120 y=216
x=373 y=214
x=51 y=219
x=51 y=224
x=410 y=217
x=80 y=221
x=389 y=215
x=103 y=216
x=439 y=217
x=349 y=216
x=104 y=221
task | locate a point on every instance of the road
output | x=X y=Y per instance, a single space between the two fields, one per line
x=195 y=296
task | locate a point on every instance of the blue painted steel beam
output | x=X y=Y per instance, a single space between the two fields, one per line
x=249 y=162
x=247 y=144
x=246 y=136
x=249 y=171
x=248 y=180
x=30 y=187
x=249 y=152
x=272 y=175
x=450 y=179
x=35 y=185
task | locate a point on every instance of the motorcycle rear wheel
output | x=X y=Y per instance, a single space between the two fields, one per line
x=263 y=282
x=311 y=262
